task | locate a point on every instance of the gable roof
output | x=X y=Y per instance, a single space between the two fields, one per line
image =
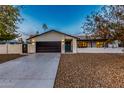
x=52 y=31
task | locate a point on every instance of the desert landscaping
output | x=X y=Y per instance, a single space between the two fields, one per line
x=90 y=71
x=8 y=57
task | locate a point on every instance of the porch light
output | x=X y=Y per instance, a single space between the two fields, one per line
x=63 y=41
x=33 y=43
x=33 y=40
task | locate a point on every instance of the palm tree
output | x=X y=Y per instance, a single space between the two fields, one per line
x=37 y=32
x=44 y=27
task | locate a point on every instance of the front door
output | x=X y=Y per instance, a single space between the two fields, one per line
x=68 y=47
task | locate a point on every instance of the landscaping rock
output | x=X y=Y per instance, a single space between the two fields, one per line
x=90 y=71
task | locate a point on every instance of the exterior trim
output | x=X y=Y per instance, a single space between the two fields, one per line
x=52 y=31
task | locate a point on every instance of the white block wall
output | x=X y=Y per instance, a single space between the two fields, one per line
x=14 y=48
x=100 y=50
x=11 y=49
x=3 y=49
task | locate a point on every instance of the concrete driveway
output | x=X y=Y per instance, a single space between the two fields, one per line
x=33 y=71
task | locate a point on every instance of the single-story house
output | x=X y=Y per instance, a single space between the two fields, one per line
x=55 y=41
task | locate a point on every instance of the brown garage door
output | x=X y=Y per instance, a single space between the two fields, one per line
x=42 y=47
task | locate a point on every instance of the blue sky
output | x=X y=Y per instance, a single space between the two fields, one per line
x=67 y=19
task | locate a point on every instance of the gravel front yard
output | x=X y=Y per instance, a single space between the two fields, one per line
x=90 y=71
x=7 y=57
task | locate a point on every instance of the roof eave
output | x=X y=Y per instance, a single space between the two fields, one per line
x=52 y=31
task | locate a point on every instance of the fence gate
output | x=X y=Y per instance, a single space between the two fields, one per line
x=24 y=48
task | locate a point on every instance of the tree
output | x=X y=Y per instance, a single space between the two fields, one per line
x=37 y=32
x=20 y=40
x=89 y=25
x=45 y=27
x=114 y=15
x=106 y=23
x=9 y=18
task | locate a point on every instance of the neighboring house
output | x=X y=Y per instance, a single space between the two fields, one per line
x=55 y=41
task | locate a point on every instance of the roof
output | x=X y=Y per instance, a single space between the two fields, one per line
x=90 y=37
x=52 y=31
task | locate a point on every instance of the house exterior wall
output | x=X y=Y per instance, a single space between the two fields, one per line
x=54 y=36
x=31 y=48
x=99 y=44
x=62 y=47
x=91 y=48
x=74 y=45
x=94 y=44
x=109 y=48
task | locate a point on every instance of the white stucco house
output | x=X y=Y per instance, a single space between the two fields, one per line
x=55 y=41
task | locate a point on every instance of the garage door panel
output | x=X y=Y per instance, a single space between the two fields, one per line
x=48 y=47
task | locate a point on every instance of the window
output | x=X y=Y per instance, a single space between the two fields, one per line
x=82 y=44
x=99 y=44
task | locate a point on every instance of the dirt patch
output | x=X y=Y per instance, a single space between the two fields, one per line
x=7 y=57
x=90 y=71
